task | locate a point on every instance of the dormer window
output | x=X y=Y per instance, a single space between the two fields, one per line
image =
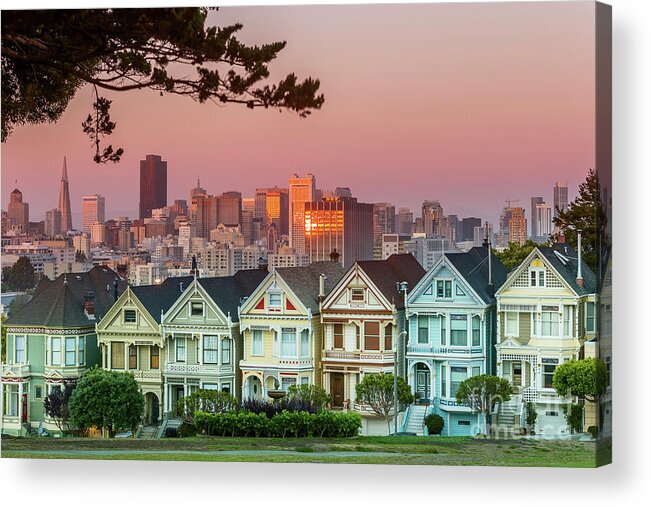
x=537 y=274
x=357 y=295
x=130 y=316
x=444 y=289
x=196 y=309
x=275 y=299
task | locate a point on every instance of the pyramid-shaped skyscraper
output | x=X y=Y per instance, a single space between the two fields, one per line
x=64 y=201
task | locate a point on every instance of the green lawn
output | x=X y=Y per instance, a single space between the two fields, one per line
x=379 y=450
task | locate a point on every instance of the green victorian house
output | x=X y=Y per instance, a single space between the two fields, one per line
x=52 y=340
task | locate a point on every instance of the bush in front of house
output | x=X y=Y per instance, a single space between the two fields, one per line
x=434 y=423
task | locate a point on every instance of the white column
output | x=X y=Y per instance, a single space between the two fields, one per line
x=20 y=402
x=2 y=403
x=109 y=355
x=432 y=382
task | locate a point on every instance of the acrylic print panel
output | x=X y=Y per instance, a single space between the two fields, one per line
x=384 y=240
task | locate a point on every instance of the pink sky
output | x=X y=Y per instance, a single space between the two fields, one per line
x=470 y=104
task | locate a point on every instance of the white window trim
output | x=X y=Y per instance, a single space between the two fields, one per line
x=253 y=331
x=452 y=289
x=275 y=293
x=24 y=361
x=517 y=324
x=356 y=301
x=177 y=340
x=203 y=309
x=124 y=316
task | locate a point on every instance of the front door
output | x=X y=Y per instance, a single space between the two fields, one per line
x=154 y=410
x=24 y=408
x=337 y=389
x=422 y=384
x=517 y=374
x=179 y=394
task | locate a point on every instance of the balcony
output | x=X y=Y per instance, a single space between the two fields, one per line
x=433 y=350
x=197 y=369
x=15 y=370
x=295 y=362
x=148 y=375
x=380 y=357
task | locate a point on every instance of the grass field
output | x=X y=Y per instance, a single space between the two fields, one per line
x=365 y=450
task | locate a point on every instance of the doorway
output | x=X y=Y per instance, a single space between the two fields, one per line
x=337 y=389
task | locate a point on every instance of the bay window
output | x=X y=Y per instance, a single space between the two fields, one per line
x=444 y=383
x=117 y=355
x=457 y=375
x=548 y=374
x=305 y=343
x=589 y=317
x=549 y=324
x=567 y=321
x=133 y=357
x=459 y=330
x=444 y=332
x=338 y=336
x=20 y=348
x=210 y=349
x=55 y=352
x=476 y=331
x=70 y=351
x=388 y=337
x=288 y=342
x=511 y=324
x=154 y=357
x=423 y=329
x=226 y=351
x=256 y=343
x=180 y=349
x=372 y=335
x=82 y=350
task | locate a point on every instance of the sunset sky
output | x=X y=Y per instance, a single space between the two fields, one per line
x=470 y=104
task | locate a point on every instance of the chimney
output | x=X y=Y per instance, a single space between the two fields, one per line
x=579 y=276
x=322 y=279
x=263 y=264
x=561 y=238
x=334 y=255
x=193 y=270
x=89 y=304
x=115 y=289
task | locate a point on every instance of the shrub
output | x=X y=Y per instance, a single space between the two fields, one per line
x=531 y=414
x=186 y=430
x=309 y=394
x=574 y=415
x=171 y=433
x=434 y=423
x=593 y=430
x=205 y=400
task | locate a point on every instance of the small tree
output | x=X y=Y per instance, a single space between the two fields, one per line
x=206 y=400
x=57 y=404
x=531 y=415
x=108 y=400
x=21 y=275
x=481 y=393
x=376 y=391
x=310 y=394
x=434 y=423
x=574 y=416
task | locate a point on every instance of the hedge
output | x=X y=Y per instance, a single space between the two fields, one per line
x=283 y=425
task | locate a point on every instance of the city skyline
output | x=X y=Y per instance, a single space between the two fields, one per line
x=370 y=135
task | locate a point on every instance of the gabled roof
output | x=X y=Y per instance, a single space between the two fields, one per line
x=227 y=291
x=397 y=268
x=60 y=303
x=157 y=298
x=473 y=267
x=304 y=281
x=566 y=265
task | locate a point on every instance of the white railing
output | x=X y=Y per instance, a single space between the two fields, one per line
x=15 y=370
x=359 y=356
x=431 y=349
x=530 y=394
x=295 y=362
x=148 y=375
x=196 y=368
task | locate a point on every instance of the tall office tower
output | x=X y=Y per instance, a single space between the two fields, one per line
x=18 y=211
x=248 y=204
x=179 y=209
x=560 y=197
x=301 y=190
x=277 y=210
x=64 y=200
x=535 y=201
x=52 y=222
x=92 y=211
x=153 y=185
x=195 y=194
x=229 y=209
x=517 y=226
x=247 y=226
x=455 y=227
x=468 y=228
x=432 y=213
x=261 y=204
x=341 y=224
x=479 y=234
x=384 y=220
x=543 y=219
x=404 y=222
x=205 y=215
x=97 y=234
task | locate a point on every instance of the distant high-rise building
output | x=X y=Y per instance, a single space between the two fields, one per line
x=277 y=210
x=301 y=190
x=535 y=201
x=64 y=200
x=18 y=211
x=480 y=232
x=432 y=213
x=229 y=209
x=560 y=197
x=248 y=204
x=341 y=224
x=153 y=185
x=384 y=220
x=468 y=228
x=543 y=219
x=343 y=192
x=92 y=211
x=179 y=208
x=97 y=234
x=205 y=214
x=517 y=226
x=404 y=222
x=52 y=222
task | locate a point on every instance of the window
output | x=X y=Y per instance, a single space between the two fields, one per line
x=357 y=295
x=305 y=380
x=607 y=361
x=358 y=337
x=551 y=413
x=457 y=375
x=388 y=337
x=476 y=331
x=444 y=382
x=423 y=329
x=11 y=400
x=444 y=289
x=20 y=349
x=55 y=354
x=476 y=371
x=70 y=351
x=129 y=315
x=463 y=423
x=226 y=351
x=533 y=278
x=117 y=355
x=288 y=342
x=589 y=317
x=133 y=357
x=372 y=335
x=548 y=374
x=549 y=324
x=287 y=382
x=38 y=392
x=541 y=278
x=210 y=349
x=82 y=350
x=567 y=321
x=537 y=274
x=180 y=349
x=511 y=327
x=256 y=343
x=210 y=387
x=226 y=388
x=275 y=299
x=196 y=309
x=305 y=343
x=459 y=330
x=338 y=336
x=154 y=357
x=444 y=332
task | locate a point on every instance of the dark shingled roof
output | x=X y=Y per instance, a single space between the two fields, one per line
x=304 y=281
x=567 y=267
x=473 y=267
x=227 y=291
x=397 y=268
x=60 y=303
x=157 y=298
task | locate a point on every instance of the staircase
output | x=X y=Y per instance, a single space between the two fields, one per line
x=508 y=418
x=148 y=432
x=415 y=419
x=169 y=423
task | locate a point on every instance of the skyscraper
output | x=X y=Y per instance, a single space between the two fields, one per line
x=535 y=201
x=543 y=222
x=52 y=222
x=153 y=185
x=560 y=197
x=341 y=224
x=92 y=211
x=404 y=221
x=18 y=211
x=468 y=226
x=277 y=209
x=64 y=200
x=229 y=209
x=301 y=190
x=517 y=226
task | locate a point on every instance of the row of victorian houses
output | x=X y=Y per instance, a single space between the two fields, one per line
x=258 y=331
